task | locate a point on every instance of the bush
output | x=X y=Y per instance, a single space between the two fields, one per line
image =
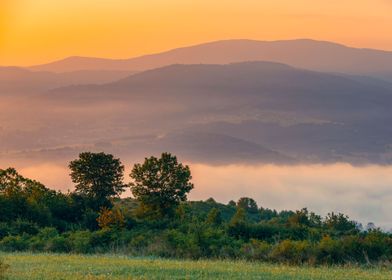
x=89 y=220
x=292 y=252
x=4 y=230
x=36 y=244
x=180 y=244
x=47 y=233
x=353 y=251
x=14 y=243
x=329 y=251
x=377 y=245
x=256 y=250
x=80 y=241
x=102 y=238
x=20 y=227
x=59 y=244
x=138 y=244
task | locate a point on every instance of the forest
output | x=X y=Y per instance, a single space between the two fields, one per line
x=158 y=220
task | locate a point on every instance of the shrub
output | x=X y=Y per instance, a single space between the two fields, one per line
x=36 y=244
x=14 y=243
x=329 y=251
x=138 y=244
x=4 y=230
x=376 y=245
x=101 y=238
x=21 y=227
x=292 y=252
x=80 y=241
x=256 y=250
x=89 y=220
x=58 y=244
x=352 y=249
x=111 y=218
x=180 y=244
x=47 y=233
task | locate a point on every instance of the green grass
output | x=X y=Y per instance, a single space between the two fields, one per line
x=75 y=267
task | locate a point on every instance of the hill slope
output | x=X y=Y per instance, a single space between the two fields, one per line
x=21 y=80
x=310 y=116
x=308 y=54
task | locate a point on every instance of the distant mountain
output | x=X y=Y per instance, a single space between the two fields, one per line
x=303 y=115
x=16 y=79
x=210 y=147
x=302 y=53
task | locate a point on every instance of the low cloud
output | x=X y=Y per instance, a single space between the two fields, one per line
x=364 y=193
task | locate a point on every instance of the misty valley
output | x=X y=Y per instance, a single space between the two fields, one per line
x=281 y=138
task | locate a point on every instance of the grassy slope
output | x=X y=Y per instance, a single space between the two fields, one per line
x=55 y=267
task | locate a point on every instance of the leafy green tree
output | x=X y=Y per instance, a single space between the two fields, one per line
x=239 y=217
x=111 y=218
x=248 y=204
x=23 y=198
x=98 y=176
x=340 y=223
x=300 y=218
x=214 y=217
x=9 y=178
x=160 y=184
x=238 y=225
x=232 y=203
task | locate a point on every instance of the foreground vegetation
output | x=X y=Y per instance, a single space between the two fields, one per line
x=56 y=267
x=158 y=221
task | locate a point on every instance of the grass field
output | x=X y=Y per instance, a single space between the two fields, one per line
x=75 y=267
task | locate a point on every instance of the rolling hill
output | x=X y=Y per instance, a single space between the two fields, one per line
x=302 y=53
x=300 y=114
x=21 y=80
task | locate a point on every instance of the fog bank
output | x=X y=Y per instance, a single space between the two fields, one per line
x=364 y=193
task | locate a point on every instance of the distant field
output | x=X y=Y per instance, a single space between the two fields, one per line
x=75 y=267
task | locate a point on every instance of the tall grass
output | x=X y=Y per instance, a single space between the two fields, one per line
x=3 y=269
x=110 y=267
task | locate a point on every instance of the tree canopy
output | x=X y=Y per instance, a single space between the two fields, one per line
x=98 y=176
x=160 y=184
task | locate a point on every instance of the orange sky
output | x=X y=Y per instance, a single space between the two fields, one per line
x=38 y=31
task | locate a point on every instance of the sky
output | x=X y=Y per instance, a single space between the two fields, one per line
x=39 y=31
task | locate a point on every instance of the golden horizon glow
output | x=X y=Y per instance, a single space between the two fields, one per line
x=40 y=31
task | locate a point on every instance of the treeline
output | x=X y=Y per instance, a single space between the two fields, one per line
x=159 y=221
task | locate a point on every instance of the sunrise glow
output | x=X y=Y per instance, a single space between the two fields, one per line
x=39 y=31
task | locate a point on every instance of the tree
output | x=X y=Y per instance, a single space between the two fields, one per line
x=98 y=176
x=23 y=198
x=11 y=181
x=248 y=204
x=239 y=217
x=340 y=223
x=160 y=184
x=214 y=217
x=111 y=218
x=300 y=218
x=232 y=203
x=238 y=225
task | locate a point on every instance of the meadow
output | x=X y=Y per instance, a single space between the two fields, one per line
x=75 y=267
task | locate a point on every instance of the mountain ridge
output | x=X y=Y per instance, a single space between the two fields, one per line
x=302 y=53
